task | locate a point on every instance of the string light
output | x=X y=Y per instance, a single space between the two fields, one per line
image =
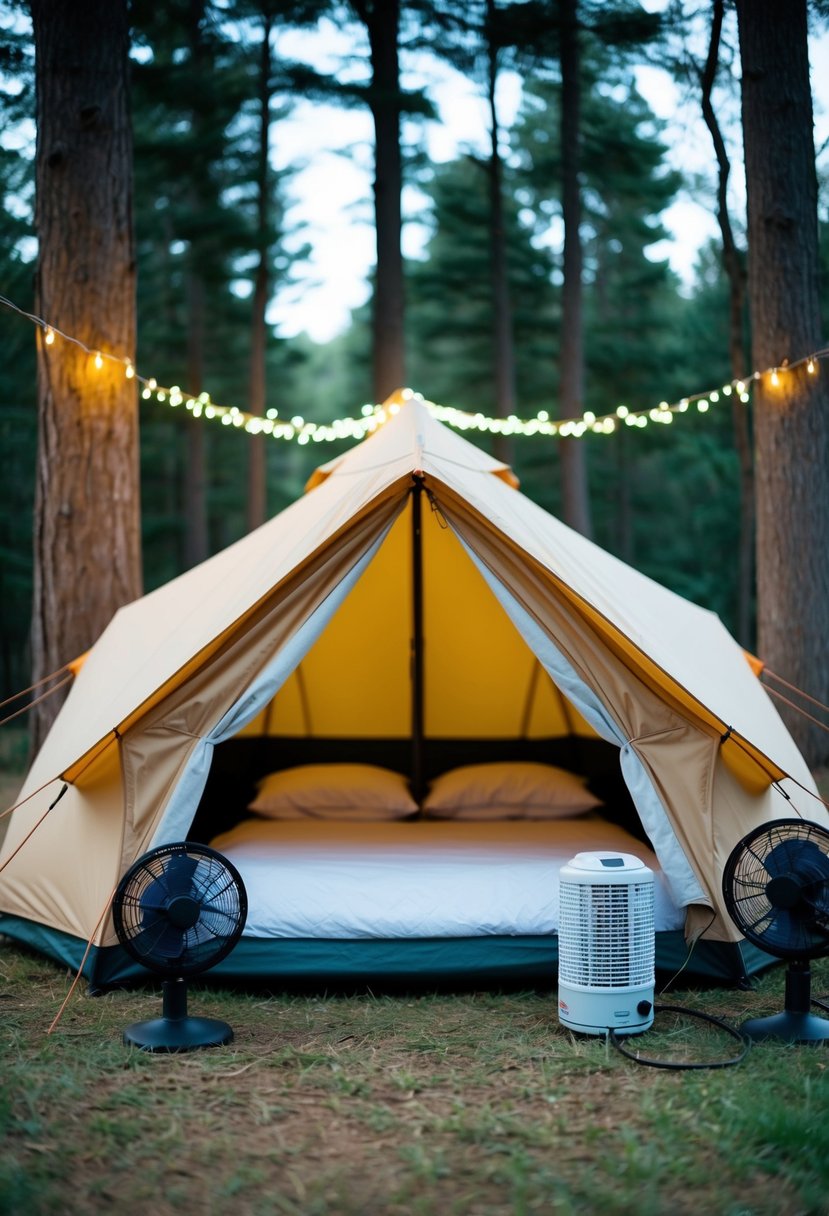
x=372 y=416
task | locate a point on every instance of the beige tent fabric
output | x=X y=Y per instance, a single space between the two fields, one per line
x=170 y=665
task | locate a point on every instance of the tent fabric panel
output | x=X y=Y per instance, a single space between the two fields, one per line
x=356 y=680
x=684 y=885
x=65 y=874
x=480 y=677
x=152 y=765
x=178 y=814
x=638 y=712
x=686 y=649
x=154 y=644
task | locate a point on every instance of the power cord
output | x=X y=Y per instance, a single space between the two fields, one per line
x=618 y=1042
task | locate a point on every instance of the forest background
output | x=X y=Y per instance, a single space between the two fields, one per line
x=214 y=229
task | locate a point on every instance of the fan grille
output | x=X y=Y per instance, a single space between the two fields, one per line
x=180 y=909
x=606 y=934
x=776 y=888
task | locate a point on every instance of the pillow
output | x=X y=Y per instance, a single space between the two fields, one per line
x=511 y=789
x=334 y=791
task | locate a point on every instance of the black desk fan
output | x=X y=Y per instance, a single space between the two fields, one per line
x=178 y=911
x=776 y=889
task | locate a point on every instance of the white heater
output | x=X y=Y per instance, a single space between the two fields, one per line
x=606 y=944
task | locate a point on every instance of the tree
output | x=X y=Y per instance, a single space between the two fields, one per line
x=733 y=260
x=791 y=410
x=257 y=468
x=382 y=21
x=86 y=538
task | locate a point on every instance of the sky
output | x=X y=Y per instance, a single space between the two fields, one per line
x=330 y=193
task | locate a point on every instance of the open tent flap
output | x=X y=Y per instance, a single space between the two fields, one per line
x=488 y=672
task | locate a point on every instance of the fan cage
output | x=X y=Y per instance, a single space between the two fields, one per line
x=606 y=934
x=213 y=892
x=786 y=848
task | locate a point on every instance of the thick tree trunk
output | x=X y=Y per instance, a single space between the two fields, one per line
x=382 y=20
x=504 y=352
x=733 y=264
x=87 y=549
x=574 y=490
x=791 y=418
x=257 y=494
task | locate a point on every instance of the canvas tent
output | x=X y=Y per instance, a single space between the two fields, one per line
x=414 y=595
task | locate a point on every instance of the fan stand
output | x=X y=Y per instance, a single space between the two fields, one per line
x=796 y=1024
x=175 y=1030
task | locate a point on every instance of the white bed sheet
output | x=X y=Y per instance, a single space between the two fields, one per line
x=421 y=878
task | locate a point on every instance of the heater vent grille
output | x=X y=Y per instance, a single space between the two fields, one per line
x=606 y=934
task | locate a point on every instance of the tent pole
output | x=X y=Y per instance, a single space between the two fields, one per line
x=418 y=785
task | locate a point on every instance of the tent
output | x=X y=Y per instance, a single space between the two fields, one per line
x=412 y=605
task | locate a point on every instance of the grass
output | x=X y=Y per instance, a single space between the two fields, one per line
x=465 y=1104
x=474 y=1103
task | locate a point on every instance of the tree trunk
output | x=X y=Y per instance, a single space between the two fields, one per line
x=574 y=491
x=87 y=547
x=733 y=264
x=196 y=545
x=257 y=494
x=504 y=352
x=382 y=20
x=791 y=418
x=196 y=541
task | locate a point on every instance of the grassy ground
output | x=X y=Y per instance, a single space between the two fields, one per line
x=476 y=1104
x=460 y=1103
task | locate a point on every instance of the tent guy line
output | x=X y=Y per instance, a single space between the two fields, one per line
x=303 y=432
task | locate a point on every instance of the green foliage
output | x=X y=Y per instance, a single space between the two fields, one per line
x=450 y=299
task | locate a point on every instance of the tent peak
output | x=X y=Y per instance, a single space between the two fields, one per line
x=409 y=427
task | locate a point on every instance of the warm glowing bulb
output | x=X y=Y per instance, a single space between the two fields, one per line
x=130 y=371
x=99 y=361
x=49 y=336
x=775 y=379
x=810 y=367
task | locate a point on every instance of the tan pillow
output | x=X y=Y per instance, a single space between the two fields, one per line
x=511 y=789
x=334 y=791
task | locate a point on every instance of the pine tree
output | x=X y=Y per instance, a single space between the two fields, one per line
x=87 y=532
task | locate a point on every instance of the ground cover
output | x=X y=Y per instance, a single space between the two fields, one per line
x=474 y=1103
x=458 y=1104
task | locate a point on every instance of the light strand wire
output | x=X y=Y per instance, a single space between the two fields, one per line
x=303 y=432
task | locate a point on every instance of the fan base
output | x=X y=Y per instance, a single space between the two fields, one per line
x=178 y=1034
x=789 y=1026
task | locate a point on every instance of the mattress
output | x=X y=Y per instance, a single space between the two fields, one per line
x=418 y=878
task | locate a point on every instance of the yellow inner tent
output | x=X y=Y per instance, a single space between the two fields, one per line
x=480 y=679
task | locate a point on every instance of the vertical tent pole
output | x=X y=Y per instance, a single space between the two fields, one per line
x=418 y=785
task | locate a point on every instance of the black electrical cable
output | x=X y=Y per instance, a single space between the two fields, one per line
x=691 y=1013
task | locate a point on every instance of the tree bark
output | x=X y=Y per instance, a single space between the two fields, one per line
x=504 y=352
x=382 y=21
x=87 y=549
x=791 y=418
x=574 y=488
x=257 y=494
x=734 y=266
x=194 y=507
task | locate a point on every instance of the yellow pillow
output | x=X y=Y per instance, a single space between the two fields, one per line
x=334 y=791
x=510 y=789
